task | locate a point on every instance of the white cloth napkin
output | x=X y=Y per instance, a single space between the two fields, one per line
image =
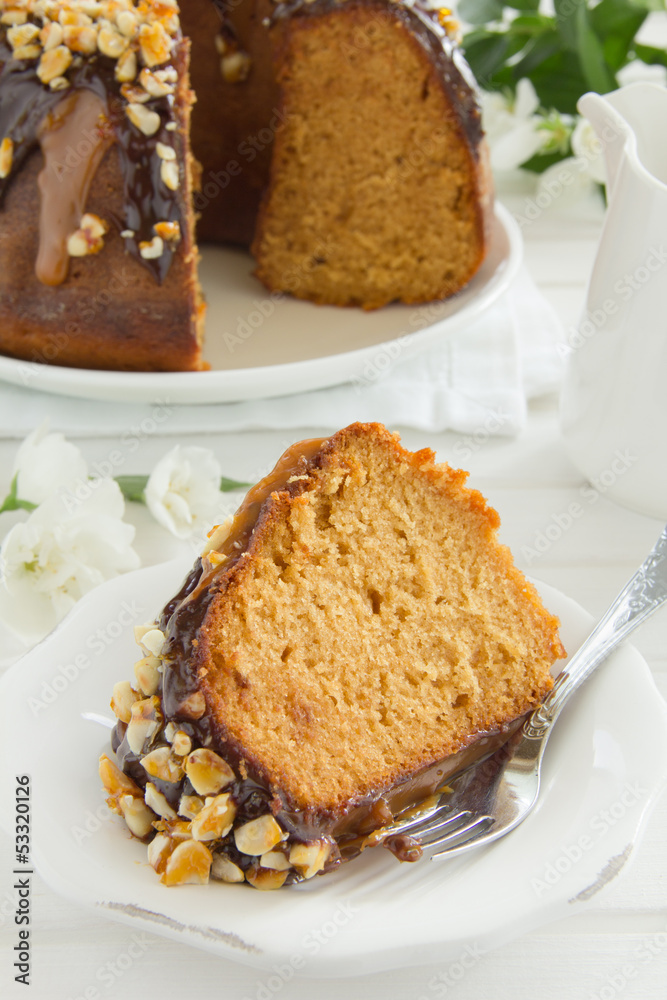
x=477 y=379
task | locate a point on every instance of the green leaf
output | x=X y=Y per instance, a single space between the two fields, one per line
x=559 y=82
x=541 y=161
x=12 y=502
x=597 y=74
x=616 y=22
x=480 y=11
x=651 y=55
x=226 y=485
x=537 y=51
x=530 y=24
x=565 y=22
x=132 y=487
x=486 y=54
x=524 y=4
x=649 y=5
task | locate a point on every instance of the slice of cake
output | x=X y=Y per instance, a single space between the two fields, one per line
x=339 y=644
x=379 y=187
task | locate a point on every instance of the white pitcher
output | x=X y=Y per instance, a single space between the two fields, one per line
x=614 y=400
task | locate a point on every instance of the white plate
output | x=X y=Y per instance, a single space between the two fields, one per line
x=604 y=765
x=259 y=345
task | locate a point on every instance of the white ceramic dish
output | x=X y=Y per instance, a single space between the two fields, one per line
x=259 y=345
x=604 y=766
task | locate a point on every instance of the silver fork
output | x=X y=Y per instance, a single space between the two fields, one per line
x=492 y=796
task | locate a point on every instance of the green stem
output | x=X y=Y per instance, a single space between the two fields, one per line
x=133 y=487
x=12 y=502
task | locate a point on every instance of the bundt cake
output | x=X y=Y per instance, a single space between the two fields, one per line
x=351 y=633
x=339 y=138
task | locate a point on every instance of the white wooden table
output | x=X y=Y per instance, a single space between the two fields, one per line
x=598 y=954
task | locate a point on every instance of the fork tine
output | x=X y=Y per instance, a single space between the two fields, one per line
x=462 y=838
x=440 y=826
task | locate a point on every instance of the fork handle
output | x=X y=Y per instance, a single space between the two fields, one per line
x=641 y=596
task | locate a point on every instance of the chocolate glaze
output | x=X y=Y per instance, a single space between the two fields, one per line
x=351 y=827
x=24 y=104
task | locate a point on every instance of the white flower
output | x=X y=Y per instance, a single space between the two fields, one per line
x=64 y=549
x=512 y=126
x=44 y=463
x=183 y=490
x=564 y=184
x=640 y=72
x=589 y=151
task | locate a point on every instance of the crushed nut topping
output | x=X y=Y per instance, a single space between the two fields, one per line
x=149 y=249
x=216 y=818
x=189 y=862
x=265 y=878
x=161 y=764
x=88 y=238
x=6 y=156
x=309 y=859
x=158 y=802
x=169 y=174
x=147 y=674
x=224 y=869
x=235 y=67
x=147 y=121
x=207 y=771
x=258 y=836
x=53 y=63
x=144 y=723
x=122 y=700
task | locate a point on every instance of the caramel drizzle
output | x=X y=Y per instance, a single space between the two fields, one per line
x=64 y=181
x=27 y=107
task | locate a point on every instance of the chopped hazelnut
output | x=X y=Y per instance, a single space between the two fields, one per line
x=265 y=878
x=22 y=35
x=147 y=674
x=207 y=771
x=181 y=743
x=54 y=63
x=51 y=35
x=190 y=862
x=6 y=156
x=154 y=85
x=143 y=118
x=137 y=815
x=215 y=819
x=111 y=43
x=309 y=859
x=190 y=806
x=169 y=174
x=144 y=723
x=122 y=700
x=258 y=836
x=151 y=249
x=155 y=44
x=126 y=67
x=156 y=801
x=235 y=67
x=80 y=38
x=224 y=869
x=126 y=21
x=160 y=764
